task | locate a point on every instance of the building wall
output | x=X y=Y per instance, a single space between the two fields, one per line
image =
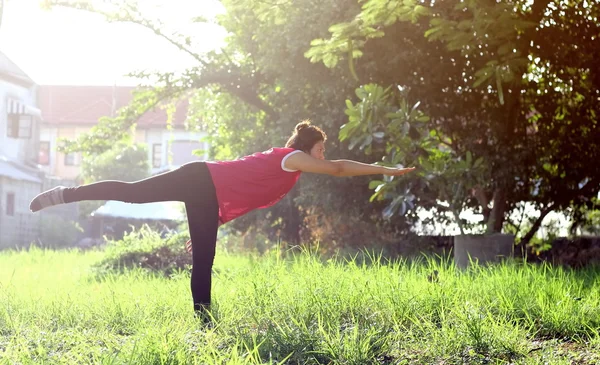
x=23 y=227
x=171 y=142
x=170 y=155
x=19 y=149
x=49 y=134
x=57 y=166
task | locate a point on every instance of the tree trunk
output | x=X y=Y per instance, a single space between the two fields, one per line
x=496 y=220
x=536 y=225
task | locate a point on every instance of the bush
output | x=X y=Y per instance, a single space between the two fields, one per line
x=146 y=249
x=57 y=233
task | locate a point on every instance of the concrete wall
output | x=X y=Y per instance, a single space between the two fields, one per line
x=23 y=227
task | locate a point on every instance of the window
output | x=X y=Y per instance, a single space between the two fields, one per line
x=71 y=159
x=156 y=155
x=44 y=154
x=10 y=204
x=19 y=126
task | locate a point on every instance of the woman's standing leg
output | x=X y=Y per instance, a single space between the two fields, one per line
x=203 y=220
x=191 y=184
x=203 y=223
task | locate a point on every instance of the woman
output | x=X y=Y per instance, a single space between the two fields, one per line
x=217 y=192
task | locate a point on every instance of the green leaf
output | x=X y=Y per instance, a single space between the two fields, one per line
x=344 y=133
x=367 y=141
x=478 y=162
x=499 y=86
x=375 y=183
x=330 y=60
x=434 y=33
x=351 y=60
x=353 y=142
x=414 y=108
x=426 y=164
x=482 y=76
x=375 y=196
x=421 y=10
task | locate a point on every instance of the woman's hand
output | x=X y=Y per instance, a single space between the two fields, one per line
x=392 y=171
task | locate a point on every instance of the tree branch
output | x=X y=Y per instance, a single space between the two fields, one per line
x=536 y=225
x=586 y=190
x=103 y=135
x=236 y=85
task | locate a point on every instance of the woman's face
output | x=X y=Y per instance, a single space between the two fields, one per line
x=318 y=150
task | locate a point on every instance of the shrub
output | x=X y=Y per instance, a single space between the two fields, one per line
x=146 y=249
x=56 y=232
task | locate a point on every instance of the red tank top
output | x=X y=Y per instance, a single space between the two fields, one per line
x=251 y=182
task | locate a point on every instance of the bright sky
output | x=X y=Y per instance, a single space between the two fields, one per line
x=70 y=47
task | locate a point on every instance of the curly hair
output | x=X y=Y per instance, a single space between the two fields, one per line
x=305 y=136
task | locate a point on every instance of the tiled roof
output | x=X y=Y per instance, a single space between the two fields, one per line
x=84 y=105
x=9 y=170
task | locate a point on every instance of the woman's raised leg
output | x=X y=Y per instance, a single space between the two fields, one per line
x=175 y=185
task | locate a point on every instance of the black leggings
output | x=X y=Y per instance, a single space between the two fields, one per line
x=191 y=184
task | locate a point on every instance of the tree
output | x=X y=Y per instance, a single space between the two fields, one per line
x=249 y=95
x=498 y=80
x=125 y=161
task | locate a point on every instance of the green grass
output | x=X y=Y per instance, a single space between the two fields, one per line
x=54 y=309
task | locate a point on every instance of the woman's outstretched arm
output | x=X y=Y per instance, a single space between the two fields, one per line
x=307 y=163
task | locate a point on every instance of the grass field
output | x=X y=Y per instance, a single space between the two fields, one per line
x=54 y=309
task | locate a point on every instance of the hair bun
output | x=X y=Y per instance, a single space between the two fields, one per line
x=302 y=125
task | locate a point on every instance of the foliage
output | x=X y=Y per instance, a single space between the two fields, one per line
x=589 y=222
x=123 y=161
x=146 y=249
x=388 y=123
x=512 y=82
x=493 y=81
x=56 y=232
x=249 y=95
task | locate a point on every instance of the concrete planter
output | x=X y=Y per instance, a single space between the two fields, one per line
x=484 y=249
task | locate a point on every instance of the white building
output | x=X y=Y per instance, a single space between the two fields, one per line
x=20 y=179
x=69 y=111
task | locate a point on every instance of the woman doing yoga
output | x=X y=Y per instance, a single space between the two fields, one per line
x=215 y=192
